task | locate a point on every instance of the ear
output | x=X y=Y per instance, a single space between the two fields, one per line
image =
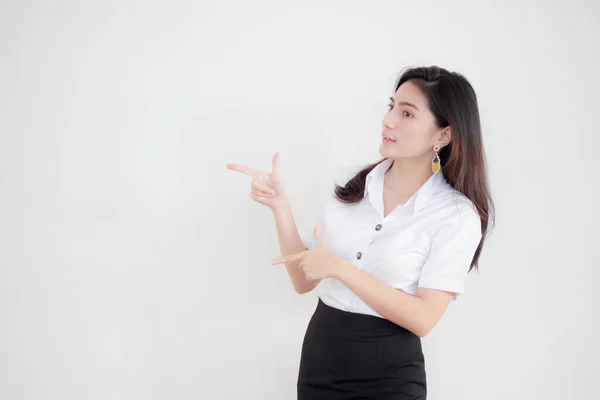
x=444 y=137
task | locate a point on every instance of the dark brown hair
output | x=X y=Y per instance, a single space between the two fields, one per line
x=453 y=102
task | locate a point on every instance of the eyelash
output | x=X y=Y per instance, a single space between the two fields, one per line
x=390 y=106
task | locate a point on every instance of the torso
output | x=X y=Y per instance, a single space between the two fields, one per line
x=392 y=243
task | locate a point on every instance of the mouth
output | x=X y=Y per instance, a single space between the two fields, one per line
x=388 y=139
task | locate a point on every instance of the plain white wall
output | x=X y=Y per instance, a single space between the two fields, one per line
x=133 y=265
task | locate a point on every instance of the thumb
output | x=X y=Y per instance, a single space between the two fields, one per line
x=319 y=235
x=275 y=171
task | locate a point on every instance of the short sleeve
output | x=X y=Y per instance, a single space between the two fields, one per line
x=452 y=250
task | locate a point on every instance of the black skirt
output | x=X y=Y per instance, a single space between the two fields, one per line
x=355 y=356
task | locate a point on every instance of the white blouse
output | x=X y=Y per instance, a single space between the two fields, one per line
x=428 y=242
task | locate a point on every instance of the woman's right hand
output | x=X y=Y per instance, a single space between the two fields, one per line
x=266 y=188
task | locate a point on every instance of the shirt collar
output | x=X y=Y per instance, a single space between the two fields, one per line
x=374 y=185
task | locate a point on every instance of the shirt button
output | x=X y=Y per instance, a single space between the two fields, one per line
x=359 y=255
x=378 y=227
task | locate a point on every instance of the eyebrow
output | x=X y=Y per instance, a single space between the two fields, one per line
x=405 y=103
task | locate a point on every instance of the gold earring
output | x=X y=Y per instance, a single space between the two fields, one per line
x=436 y=163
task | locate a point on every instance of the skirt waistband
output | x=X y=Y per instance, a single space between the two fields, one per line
x=362 y=324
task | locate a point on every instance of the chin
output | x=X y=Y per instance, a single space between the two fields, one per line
x=397 y=151
x=386 y=152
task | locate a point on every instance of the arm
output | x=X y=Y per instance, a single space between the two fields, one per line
x=267 y=189
x=419 y=314
x=442 y=276
x=290 y=243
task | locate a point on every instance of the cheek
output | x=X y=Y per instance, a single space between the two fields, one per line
x=412 y=136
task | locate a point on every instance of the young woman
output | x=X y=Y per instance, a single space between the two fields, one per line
x=394 y=244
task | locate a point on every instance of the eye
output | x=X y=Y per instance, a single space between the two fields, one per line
x=390 y=106
x=407 y=114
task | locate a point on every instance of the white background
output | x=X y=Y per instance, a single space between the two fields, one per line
x=133 y=265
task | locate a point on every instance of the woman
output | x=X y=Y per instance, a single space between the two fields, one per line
x=394 y=245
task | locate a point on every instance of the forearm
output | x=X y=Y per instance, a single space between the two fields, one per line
x=290 y=243
x=408 y=311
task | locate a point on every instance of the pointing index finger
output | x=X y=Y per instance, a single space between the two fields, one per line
x=291 y=257
x=243 y=169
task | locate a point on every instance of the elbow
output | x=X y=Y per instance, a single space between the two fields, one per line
x=419 y=327
x=423 y=328
x=302 y=289
x=421 y=332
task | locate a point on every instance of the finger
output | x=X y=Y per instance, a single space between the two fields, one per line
x=260 y=199
x=243 y=169
x=287 y=259
x=263 y=195
x=319 y=235
x=261 y=188
x=275 y=171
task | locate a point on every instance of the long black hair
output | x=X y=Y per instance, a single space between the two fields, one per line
x=452 y=101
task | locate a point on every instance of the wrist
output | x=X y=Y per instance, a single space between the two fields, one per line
x=342 y=268
x=283 y=208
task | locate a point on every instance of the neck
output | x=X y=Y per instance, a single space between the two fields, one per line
x=407 y=175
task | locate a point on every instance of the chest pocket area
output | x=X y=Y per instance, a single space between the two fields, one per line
x=340 y=234
x=402 y=257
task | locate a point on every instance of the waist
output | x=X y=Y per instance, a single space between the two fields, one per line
x=351 y=324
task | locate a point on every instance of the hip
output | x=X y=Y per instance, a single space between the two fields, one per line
x=359 y=354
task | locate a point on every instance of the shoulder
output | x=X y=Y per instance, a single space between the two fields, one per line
x=458 y=208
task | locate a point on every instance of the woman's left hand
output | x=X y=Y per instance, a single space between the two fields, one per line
x=317 y=263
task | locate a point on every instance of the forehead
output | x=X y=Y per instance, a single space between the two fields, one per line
x=408 y=91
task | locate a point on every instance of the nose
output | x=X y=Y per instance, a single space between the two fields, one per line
x=387 y=122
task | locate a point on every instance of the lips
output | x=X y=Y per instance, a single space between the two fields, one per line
x=388 y=139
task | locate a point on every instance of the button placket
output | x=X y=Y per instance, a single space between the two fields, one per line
x=377 y=229
x=359 y=256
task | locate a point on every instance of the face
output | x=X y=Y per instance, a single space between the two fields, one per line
x=410 y=126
